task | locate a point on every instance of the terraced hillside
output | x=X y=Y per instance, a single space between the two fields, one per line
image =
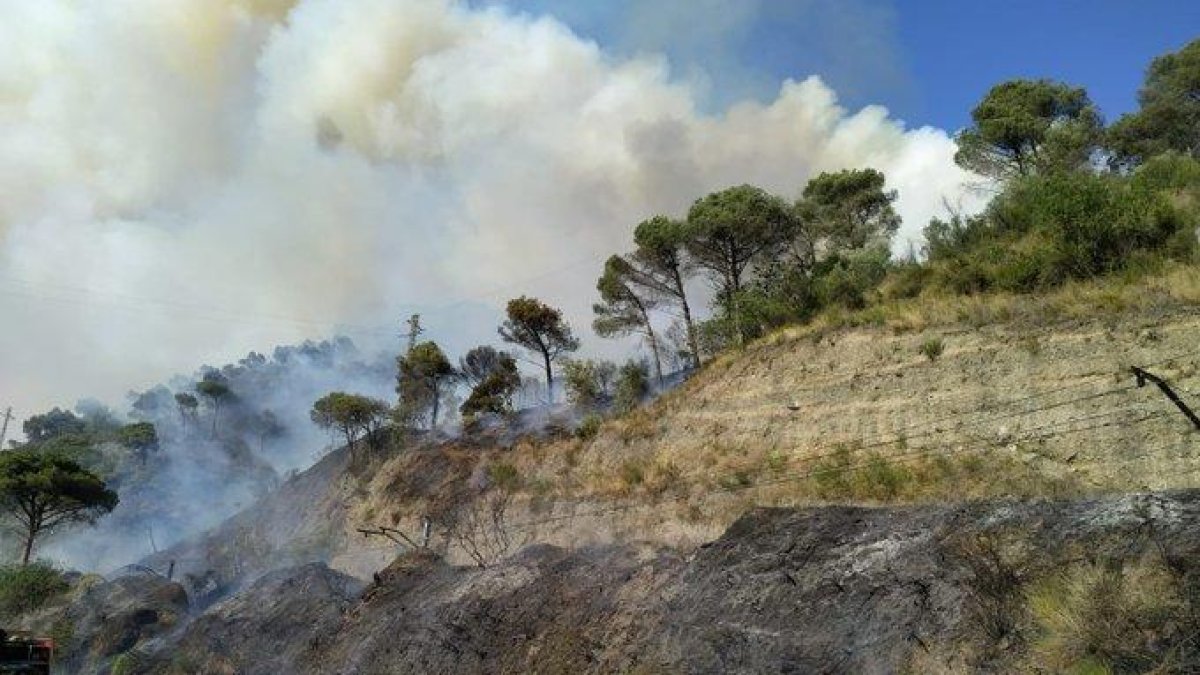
x=985 y=398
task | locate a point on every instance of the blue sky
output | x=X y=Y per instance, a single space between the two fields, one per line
x=928 y=61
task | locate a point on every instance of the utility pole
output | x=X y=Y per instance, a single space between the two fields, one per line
x=1143 y=377
x=414 y=331
x=4 y=428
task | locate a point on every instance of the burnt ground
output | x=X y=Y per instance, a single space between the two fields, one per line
x=815 y=590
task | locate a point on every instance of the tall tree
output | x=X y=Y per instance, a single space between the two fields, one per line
x=352 y=415
x=622 y=310
x=661 y=266
x=422 y=376
x=539 y=328
x=42 y=491
x=267 y=425
x=150 y=404
x=1169 y=111
x=187 y=405
x=479 y=363
x=843 y=210
x=731 y=230
x=494 y=393
x=215 y=392
x=141 y=437
x=57 y=422
x=1025 y=127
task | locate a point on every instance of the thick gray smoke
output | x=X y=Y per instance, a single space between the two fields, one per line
x=189 y=181
x=208 y=467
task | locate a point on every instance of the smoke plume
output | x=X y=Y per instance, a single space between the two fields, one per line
x=184 y=182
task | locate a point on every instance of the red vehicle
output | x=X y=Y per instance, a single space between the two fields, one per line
x=23 y=653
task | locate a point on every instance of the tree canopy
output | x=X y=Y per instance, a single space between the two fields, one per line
x=541 y=329
x=624 y=307
x=352 y=415
x=662 y=266
x=57 y=422
x=422 y=374
x=141 y=437
x=848 y=209
x=1169 y=110
x=43 y=491
x=730 y=230
x=478 y=363
x=494 y=393
x=1025 y=127
x=216 y=392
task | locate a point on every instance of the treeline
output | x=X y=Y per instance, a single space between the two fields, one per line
x=1073 y=199
x=183 y=456
x=428 y=382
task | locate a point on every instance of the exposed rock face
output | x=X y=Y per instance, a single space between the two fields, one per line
x=819 y=590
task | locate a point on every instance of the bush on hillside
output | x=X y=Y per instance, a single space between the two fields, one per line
x=932 y=348
x=633 y=386
x=1114 y=618
x=1045 y=230
x=589 y=427
x=588 y=382
x=29 y=587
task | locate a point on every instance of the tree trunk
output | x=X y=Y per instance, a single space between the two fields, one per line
x=653 y=340
x=549 y=379
x=436 y=402
x=735 y=287
x=693 y=343
x=29 y=537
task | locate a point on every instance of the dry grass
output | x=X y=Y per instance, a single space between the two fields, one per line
x=1095 y=618
x=1177 y=285
x=752 y=422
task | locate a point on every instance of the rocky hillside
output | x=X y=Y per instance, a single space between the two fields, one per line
x=985 y=443
x=1001 y=586
x=938 y=402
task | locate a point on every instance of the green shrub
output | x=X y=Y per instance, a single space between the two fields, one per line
x=735 y=481
x=588 y=382
x=504 y=476
x=833 y=475
x=906 y=280
x=125 y=664
x=633 y=386
x=589 y=427
x=846 y=280
x=633 y=473
x=1168 y=172
x=883 y=480
x=26 y=588
x=1044 y=230
x=931 y=348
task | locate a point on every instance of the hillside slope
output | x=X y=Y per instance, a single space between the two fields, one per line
x=1035 y=403
x=553 y=551
x=830 y=589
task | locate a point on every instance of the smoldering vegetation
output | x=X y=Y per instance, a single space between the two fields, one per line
x=225 y=437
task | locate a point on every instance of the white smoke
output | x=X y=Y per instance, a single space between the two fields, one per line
x=185 y=181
